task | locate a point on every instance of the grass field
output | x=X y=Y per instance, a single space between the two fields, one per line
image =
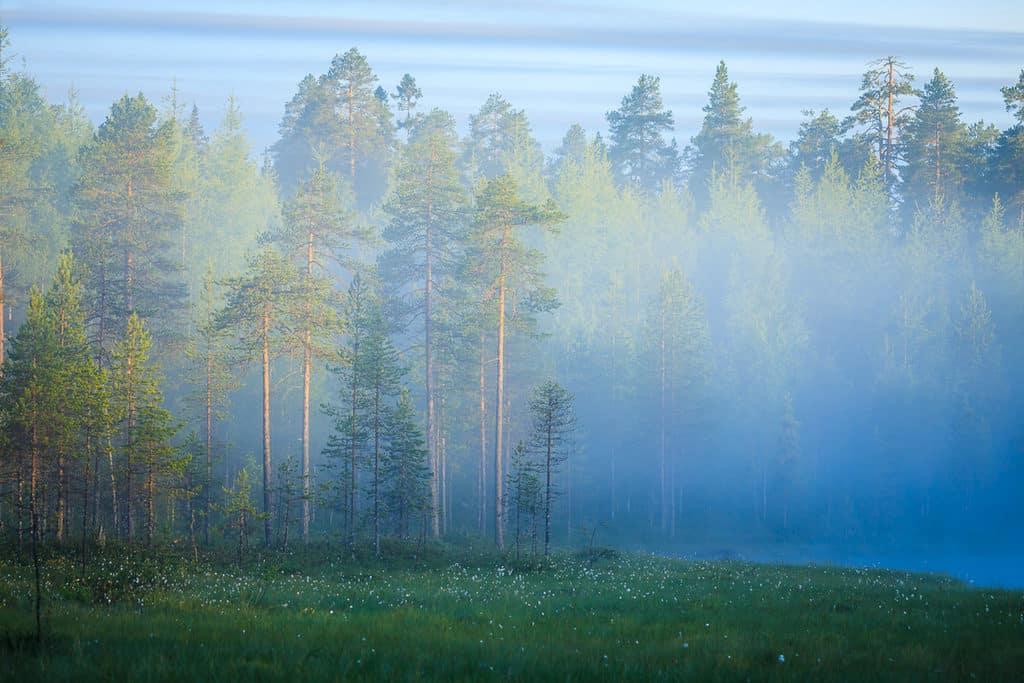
x=462 y=614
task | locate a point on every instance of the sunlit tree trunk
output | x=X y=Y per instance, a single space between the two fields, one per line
x=499 y=425
x=266 y=427
x=481 y=482
x=307 y=370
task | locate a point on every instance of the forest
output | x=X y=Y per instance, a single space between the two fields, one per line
x=382 y=327
x=429 y=401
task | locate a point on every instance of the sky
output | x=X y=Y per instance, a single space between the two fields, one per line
x=564 y=61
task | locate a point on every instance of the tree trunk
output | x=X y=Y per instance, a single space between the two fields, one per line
x=150 y=505
x=61 y=497
x=129 y=452
x=3 y=313
x=547 y=487
x=662 y=459
x=207 y=503
x=351 y=136
x=266 y=428
x=499 y=425
x=435 y=509
x=307 y=370
x=889 y=125
x=481 y=481
x=376 y=471
x=353 y=429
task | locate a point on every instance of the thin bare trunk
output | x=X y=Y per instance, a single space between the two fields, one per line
x=3 y=312
x=662 y=457
x=499 y=423
x=376 y=472
x=267 y=526
x=481 y=482
x=547 y=486
x=353 y=430
x=207 y=503
x=307 y=371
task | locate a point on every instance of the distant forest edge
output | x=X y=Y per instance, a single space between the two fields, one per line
x=386 y=329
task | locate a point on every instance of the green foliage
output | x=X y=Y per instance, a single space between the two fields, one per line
x=407 y=94
x=128 y=222
x=881 y=114
x=230 y=201
x=337 y=121
x=934 y=144
x=640 y=155
x=143 y=426
x=405 y=469
x=726 y=141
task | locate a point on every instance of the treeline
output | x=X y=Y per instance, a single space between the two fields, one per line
x=810 y=342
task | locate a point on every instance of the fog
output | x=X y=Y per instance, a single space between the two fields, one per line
x=800 y=347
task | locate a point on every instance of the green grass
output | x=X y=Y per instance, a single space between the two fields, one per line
x=464 y=614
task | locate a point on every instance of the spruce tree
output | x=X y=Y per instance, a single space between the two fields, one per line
x=405 y=468
x=726 y=141
x=347 y=444
x=553 y=423
x=144 y=427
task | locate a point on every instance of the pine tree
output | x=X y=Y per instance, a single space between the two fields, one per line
x=407 y=95
x=678 y=351
x=501 y=259
x=318 y=232
x=26 y=124
x=128 y=221
x=257 y=309
x=211 y=379
x=337 y=120
x=428 y=215
x=364 y=132
x=571 y=150
x=879 y=112
x=640 y=155
x=232 y=203
x=1005 y=173
x=933 y=145
x=1013 y=96
x=500 y=142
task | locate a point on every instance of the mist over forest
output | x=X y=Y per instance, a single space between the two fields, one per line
x=392 y=324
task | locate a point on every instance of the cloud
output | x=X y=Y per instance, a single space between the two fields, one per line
x=678 y=34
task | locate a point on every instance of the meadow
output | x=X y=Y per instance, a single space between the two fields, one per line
x=464 y=613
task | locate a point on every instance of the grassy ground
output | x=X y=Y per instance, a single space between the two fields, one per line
x=458 y=614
